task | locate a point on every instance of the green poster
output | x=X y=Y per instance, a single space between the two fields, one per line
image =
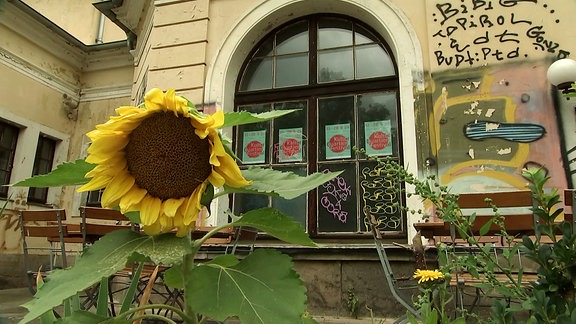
x=338 y=141
x=254 y=144
x=290 y=148
x=378 y=135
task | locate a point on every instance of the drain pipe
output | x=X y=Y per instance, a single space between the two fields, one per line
x=100 y=29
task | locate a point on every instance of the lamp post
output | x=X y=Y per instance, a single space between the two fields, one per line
x=562 y=74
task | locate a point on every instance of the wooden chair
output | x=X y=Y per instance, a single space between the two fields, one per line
x=97 y=222
x=48 y=224
x=570 y=201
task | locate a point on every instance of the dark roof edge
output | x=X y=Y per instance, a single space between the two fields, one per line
x=105 y=7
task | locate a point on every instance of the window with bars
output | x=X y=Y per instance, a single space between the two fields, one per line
x=342 y=78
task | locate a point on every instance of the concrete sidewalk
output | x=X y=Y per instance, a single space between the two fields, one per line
x=10 y=300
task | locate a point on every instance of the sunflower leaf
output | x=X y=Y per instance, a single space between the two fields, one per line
x=276 y=183
x=65 y=174
x=262 y=288
x=244 y=117
x=110 y=254
x=274 y=223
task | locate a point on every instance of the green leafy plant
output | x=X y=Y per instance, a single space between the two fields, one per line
x=260 y=288
x=550 y=300
x=554 y=250
x=352 y=302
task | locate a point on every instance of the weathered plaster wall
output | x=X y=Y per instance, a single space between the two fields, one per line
x=50 y=86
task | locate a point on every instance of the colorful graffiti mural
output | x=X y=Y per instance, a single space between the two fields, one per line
x=487 y=133
x=493 y=113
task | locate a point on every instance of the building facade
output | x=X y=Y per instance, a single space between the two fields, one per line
x=451 y=88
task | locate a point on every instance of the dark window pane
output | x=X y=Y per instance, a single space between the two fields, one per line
x=335 y=65
x=258 y=75
x=8 y=140
x=378 y=123
x=42 y=164
x=293 y=39
x=291 y=70
x=337 y=208
x=247 y=202
x=94 y=198
x=336 y=129
x=372 y=61
x=334 y=33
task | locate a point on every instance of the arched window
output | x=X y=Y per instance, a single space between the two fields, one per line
x=341 y=76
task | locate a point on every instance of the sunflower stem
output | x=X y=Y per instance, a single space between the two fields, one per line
x=188 y=265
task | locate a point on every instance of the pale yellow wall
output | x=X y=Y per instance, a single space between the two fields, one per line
x=38 y=70
x=78 y=17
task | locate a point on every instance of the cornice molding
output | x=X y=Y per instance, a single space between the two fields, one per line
x=108 y=59
x=21 y=66
x=104 y=93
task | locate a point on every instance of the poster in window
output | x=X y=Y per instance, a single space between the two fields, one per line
x=290 y=149
x=338 y=141
x=254 y=144
x=378 y=135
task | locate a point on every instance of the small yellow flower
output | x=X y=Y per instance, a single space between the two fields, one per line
x=426 y=275
x=159 y=160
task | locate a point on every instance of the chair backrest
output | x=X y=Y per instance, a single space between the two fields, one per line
x=97 y=222
x=49 y=224
x=514 y=206
x=520 y=219
x=570 y=201
x=43 y=223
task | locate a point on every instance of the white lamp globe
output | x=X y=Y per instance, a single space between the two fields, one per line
x=562 y=73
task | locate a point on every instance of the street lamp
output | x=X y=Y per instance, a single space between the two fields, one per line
x=562 y=74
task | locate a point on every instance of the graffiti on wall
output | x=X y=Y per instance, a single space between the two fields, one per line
x=492 y=122
x=467 y=33
x=10 y=235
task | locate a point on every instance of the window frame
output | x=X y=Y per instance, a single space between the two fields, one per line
x=311 y=93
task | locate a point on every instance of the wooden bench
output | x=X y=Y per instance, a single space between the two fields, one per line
x=518 y=218
x=513 y=205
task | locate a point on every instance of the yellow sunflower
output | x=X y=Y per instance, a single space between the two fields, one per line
x=427 y=275
x=159 y=160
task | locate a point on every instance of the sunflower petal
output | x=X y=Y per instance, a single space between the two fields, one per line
x=231 y=172
x=153 y=229
x=110 y=167
x=154 y=99
x=131 y=200
x=119 y=186
x=150 y=210
x=95 y=183
x=170 y=206
x=108 y=144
